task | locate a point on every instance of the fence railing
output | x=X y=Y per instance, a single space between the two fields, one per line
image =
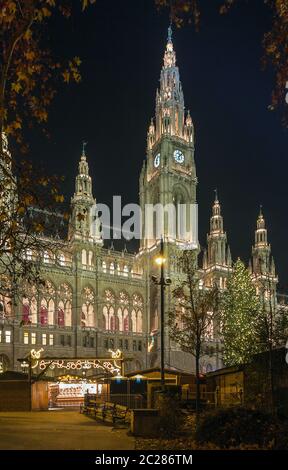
x=131 y=401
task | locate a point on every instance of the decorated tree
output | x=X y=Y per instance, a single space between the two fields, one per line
x=240 y=317
x=196 y=309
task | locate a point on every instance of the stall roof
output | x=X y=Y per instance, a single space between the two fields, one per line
x=153 y=370
x=12 y=375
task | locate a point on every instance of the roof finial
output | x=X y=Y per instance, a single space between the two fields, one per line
x=260 y=210
x=216 y=195
x=83 y=148
x=169 y=38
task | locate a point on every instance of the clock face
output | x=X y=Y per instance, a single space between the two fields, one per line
x=178 y=156
x=157 y=160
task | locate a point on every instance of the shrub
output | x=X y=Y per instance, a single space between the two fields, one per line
x=171 y=418
x=234 y=427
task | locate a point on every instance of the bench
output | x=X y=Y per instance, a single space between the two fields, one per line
x=105 y=411
x=120 y=413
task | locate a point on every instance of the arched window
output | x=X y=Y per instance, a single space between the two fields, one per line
x=123 y=298
x=46 y=257
x=84 y=257
x=104 y=267
x=125 y=320
x=26 y=318
x=112 y=322
x=64 y=309
x=90 y=258
x=133 y=321
x=126 y=271
x=108 y=310
x=62 y=259
x=29 y=254
x=51 y=311
x=43 y=312
x=137 y=301
x=5 y=306
x=47 y=303
x=120 y=319
x=88 y=299
x=61 y=314
x=139 y=322
x=105 y=318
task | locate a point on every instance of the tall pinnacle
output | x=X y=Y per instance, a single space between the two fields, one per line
x=170 y=55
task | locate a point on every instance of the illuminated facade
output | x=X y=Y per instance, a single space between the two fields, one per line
x=95 y=298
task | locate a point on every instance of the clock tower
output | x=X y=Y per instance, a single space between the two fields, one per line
x=168 y=177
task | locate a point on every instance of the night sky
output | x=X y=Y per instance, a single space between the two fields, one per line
x=241 y=147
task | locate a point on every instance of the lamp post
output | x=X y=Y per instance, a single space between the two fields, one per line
x=160 y=260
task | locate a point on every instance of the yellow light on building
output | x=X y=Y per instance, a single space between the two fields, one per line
x=160 y=260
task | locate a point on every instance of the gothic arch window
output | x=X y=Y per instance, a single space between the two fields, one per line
x=84 y=257
x=60 y=314
x=5 y=306
x=109 y=322
x=64 y=308
x=120 y=319
x=182 y=216
x=137 y=300
x=139 y=321
x=88 y=299
x=125 y=271
x=126 y=326
x=47 y=303
x=123 y=298
x=105 y=318
x=112 y=320
x=62 y=259
x=134 y=321
x=43 y=312
x=90 y=258
x=104 y=267
x=29 y=305
x=112 y=268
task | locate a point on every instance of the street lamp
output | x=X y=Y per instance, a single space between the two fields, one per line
x=160 y=261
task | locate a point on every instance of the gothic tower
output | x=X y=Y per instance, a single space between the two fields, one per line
x=168 y=176
x=83 y=224
x=217 y=262
x=263 y=266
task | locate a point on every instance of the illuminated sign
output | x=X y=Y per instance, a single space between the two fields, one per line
x=81 y=364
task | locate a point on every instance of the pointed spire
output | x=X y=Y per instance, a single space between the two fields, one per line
x=169 y=37
x=169 y=56
x=216 y=211
x=229 y=257
x=260 y=220
x=83 y=156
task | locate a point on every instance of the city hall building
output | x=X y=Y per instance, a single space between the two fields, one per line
x=96 y=298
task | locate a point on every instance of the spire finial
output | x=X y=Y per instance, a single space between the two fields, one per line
x=169 y=38
x=260 y=211
x=83 y=148
x=216 y=194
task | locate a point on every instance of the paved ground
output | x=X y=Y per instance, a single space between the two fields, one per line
x=65 y=430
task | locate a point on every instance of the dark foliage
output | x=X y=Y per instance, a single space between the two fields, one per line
x=233 y=427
